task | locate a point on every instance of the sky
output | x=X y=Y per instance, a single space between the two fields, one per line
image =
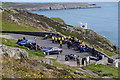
x=60 y=0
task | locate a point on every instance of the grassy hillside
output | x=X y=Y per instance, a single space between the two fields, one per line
x=59 y=20
x=7 y=26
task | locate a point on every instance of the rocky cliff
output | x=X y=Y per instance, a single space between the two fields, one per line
x=42 y=23
x=13 y=52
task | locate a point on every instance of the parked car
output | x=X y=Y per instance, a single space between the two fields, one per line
x=27 y=43
x=52 y=50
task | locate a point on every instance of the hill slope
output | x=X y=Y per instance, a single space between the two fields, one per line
x=18 y=20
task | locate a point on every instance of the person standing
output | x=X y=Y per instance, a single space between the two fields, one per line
x=59 y=39
x=24 y=38
x=56 y=40
x=68 y=44
x=63 y=39
x=53 y=39
x=78 y=61
x=60 y=43
x=88 y=60
x=93 y=52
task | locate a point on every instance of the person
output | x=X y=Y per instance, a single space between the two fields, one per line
x=24 y=38
x=88 y=60
x=68 y=44
x=103 y=56
x=78 y=61
x=85 y=48
x=93 y=52
x=74 y=56
x=81 y=49
x=56 y=39
x=84 y=61
x=53 y=39
x=69 y=37
x=63 y=39
x=60 y=44
x=38 y=47
x=100 y=57
x=19 y=40
x=59 y=39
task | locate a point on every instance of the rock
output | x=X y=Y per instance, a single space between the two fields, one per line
x=78 y=72
x=13 y=52
x=59 y=68
x=46 y=61
x=45 y=69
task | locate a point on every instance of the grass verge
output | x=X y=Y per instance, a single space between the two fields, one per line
x=104 y=70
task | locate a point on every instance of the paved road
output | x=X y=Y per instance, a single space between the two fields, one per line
x=48 y=42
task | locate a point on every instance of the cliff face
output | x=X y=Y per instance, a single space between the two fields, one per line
x=42 y=23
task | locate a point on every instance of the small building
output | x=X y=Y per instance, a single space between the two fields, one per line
x=83 y=25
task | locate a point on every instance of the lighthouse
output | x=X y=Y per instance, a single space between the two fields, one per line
x=83 y=25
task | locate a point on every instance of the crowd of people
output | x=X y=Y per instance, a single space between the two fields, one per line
x=71 y=42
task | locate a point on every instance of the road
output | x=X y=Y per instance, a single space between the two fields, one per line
x=48 y=43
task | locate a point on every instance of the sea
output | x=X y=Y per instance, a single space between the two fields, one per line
x=102 y=20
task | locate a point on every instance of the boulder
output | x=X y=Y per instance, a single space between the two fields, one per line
x=78 y=72
x=46 y=61
x=13 y=52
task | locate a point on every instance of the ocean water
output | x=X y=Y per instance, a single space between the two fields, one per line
x=103 y=20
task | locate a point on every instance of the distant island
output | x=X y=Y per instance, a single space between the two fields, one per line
x=48 y=6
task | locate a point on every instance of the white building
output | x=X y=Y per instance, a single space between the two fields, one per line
x=83 y=25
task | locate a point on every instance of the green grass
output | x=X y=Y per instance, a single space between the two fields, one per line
x=53 y=59
x=110 y=54
x=57 y=19
x=7 y=26
x=103 y=70
x=11 y=43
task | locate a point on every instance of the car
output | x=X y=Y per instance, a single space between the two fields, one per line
x=52 y=50
x=27 y=43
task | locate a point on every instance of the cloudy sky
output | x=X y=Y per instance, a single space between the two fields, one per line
x=61 y=0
